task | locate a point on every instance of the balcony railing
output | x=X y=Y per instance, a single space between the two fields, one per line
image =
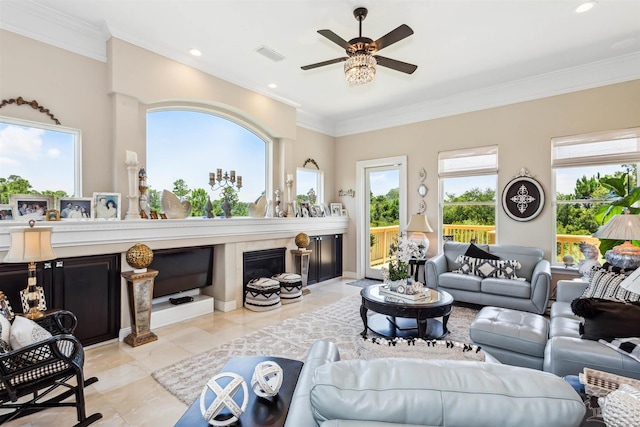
x=482 y=234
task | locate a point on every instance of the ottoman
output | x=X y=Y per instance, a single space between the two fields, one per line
x=262 y=294
x=513 y=337
x=290 y=287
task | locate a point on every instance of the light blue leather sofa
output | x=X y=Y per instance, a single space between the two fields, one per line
x=412 y=392
x=531 y=294
x=568 y=354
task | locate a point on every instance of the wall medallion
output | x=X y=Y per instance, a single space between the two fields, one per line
x=523 y=197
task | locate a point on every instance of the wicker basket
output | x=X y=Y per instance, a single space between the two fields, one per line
x=599 y=384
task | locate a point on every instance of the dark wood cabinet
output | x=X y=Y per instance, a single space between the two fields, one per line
x=326 y=259
x=87 y=286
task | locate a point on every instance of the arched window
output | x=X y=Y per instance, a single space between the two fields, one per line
x=185 y=146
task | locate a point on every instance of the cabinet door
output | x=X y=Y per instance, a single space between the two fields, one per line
x=326 y=255
x=337 y=241
x=13 y=279
x=313 y=260
x=90 y=288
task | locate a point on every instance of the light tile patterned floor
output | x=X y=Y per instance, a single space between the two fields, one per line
x=126 y=395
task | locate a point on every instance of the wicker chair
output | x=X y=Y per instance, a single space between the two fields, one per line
x=40 y=368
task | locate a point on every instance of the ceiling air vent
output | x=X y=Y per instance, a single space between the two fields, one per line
x=270 y=53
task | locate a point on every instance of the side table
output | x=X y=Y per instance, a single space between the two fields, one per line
x=140 y=292
x=260 y=411
x=301 y=258
x=414 y=265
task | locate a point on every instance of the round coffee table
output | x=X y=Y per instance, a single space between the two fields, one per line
x=397 y=318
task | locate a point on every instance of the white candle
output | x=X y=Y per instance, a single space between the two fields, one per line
x=132 y=156
x=289 y=177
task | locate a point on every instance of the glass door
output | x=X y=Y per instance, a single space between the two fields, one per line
x=382 y=213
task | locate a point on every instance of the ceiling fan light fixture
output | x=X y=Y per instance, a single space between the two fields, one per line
x=360 y=69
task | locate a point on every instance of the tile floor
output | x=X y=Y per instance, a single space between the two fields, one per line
x=127 y=395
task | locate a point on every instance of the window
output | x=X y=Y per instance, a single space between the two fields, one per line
x=580 y=165
x=37 y=158
x=468 y=194
x=185 y=146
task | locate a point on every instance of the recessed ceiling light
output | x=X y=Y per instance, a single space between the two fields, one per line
x=583 y=7
x=195 y=52
x=272 y=85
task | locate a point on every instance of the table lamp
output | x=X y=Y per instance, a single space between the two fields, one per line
x=416 y=229
x=31 y=244
x=622 y=227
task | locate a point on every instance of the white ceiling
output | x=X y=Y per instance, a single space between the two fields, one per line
x=470 y=54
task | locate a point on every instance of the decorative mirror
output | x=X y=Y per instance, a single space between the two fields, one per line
x=523 y=197
x=422 y=190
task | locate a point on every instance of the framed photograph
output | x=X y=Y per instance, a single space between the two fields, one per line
x=106 y=206
x=30 y=206
x=52 y=215
x=316 y=211
x=75 y=208
x=6 y=213
x=304 y=210
x=326 y=210
x=344 y=213
x=336 y=209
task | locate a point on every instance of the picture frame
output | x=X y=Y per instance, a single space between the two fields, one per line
x=326 y=209
x=344 y=213
x=52 y=215
x=106 y=206
x=304 y=210
x=523 y=198
x=336 y=209
x=30 y=206
x=316 y=211
x=75 y=208
x=6 y=213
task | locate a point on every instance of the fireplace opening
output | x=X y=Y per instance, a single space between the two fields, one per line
x=263 y=263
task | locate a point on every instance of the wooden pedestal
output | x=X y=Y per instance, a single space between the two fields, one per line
x=140 y=291
x=301 y=266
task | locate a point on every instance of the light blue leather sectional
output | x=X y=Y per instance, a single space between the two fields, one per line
x=412 y=392
x=530 y=294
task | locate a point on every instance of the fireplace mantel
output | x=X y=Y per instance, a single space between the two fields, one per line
x=75 y=238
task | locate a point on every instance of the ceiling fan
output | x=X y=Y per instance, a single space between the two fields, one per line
x=362 y=59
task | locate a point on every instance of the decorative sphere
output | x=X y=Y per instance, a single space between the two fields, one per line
x=139 y=256
x=223 y=395
x=267 y=379
x=302 y=240
x=568 y=260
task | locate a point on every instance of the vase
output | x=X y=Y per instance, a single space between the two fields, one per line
x=393 y=284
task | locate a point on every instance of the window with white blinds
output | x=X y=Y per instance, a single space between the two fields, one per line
x=469 y=161
x=610 y=147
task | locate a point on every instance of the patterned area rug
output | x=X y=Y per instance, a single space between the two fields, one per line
x=363 y=283
x=339 y=322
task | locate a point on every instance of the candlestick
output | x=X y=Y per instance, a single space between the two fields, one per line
x=289 y=183
x=132 y=156
x=133 y=196
x=239 y=182
x=224 y=182
x=233 y=176
x=219 y=174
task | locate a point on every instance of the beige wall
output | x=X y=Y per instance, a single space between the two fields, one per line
x=108 y=102
x=521 y=131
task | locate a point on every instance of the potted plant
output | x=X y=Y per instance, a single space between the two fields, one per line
x=621 y=197
x=401 y=253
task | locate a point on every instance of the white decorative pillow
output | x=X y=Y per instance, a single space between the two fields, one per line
x=25 y=332
x=5 y=331
x=499 y=268
x=606 y=285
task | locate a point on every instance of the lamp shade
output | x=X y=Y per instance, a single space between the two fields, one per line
x=30 y=244
x=620 y=227
x=419 y=224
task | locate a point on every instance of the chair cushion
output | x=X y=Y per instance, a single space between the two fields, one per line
x=463 y=282
x=5 y=331
x=476 y=252
x=506 y=287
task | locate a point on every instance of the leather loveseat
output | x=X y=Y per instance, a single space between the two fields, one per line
x=412 y=392
x=530 y=292
x=568 y=354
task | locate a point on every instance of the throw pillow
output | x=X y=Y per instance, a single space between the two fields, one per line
x=467 y=264
x=501 y=269
x=5 y=330
x=627 y=346
x=605 y=319
x=475 y=252
x=606 y=285
x=25 y=331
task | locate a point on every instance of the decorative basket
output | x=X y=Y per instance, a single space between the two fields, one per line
x=599 y=384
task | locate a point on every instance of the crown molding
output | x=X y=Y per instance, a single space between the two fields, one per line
x=601 y=73
x=41 y=23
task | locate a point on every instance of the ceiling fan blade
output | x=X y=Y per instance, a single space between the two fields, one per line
x=322 y=64
x=394 y=36
x=335 y=38
x=396 y=65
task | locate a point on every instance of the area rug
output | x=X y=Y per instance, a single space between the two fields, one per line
x=363 y=283
x=339 y=322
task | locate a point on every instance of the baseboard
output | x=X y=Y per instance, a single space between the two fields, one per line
x=225 y=306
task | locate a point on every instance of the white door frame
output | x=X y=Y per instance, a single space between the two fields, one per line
x=361 y=202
